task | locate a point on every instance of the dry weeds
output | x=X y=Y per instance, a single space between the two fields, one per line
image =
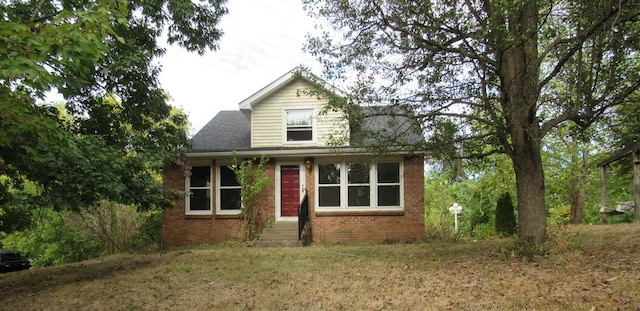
x=589 y=268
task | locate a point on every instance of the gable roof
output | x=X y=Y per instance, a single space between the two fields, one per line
x=228 y=130
x=293 y=74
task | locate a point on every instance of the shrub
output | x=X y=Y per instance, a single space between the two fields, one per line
x=150 y=235
x=51 y=241
x=438 y=225
x=252 y=181
x=114 y=224
x=528 y=248
x=505 y=217
x=560 y=215
x=484 y=231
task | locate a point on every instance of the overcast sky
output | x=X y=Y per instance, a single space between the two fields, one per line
x=262 y=41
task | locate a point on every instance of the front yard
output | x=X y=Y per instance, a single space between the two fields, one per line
x=590 y=267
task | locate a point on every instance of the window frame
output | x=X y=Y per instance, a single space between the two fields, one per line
x=373 y=185
x=359 y=184
x=285 y=125
x=338 y=185
x=379 y=184
x=219 y=210
x=188 y=188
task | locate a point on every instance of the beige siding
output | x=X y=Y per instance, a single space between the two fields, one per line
x=267 y=117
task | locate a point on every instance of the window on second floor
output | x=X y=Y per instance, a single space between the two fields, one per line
x=299 y=125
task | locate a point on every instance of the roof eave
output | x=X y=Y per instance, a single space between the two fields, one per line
x=291 y=153
x=247 y=104
x=627 y=151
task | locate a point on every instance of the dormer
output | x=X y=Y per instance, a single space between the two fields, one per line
x=288 y=113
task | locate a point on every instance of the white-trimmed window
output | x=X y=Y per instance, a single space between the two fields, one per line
x=199 y=188
x=359 y=186
x=329 y=185
x=388 y=178
x=229 y=192
x=299 y=125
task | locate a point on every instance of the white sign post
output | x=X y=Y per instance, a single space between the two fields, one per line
x=455 y=209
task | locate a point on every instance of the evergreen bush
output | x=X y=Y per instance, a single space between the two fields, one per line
x=505 y=217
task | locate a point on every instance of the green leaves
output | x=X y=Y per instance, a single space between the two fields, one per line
x=503 y=73
x=56 y=50
x=252 y=181
x=193 y=24
x=75 y=171
x=119 y=130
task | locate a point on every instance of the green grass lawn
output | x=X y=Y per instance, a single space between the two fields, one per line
x=587 y=268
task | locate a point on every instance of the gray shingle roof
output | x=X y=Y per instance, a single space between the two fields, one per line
x=386 y=126
x=228 y=130
x=231 y=130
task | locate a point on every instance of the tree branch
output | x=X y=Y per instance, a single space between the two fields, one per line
x=578 y=42
x=36 y=11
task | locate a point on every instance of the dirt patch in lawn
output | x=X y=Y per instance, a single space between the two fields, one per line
x=589 y=267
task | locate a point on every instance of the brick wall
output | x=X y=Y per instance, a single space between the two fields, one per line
x=377 y=226
x=183 y=230
x=179 y=229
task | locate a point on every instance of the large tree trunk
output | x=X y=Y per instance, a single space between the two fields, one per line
x=532 y=214
x=519 y=73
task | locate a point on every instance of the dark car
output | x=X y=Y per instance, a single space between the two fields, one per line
x=11 y=261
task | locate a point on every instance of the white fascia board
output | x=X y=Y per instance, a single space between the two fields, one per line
x=293 y=153
x=288 y=153
x=248 y=103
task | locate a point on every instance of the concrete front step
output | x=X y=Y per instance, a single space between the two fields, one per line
x=280 y=230
x=262 y=243
x=279 y=237
x=285 y=225
x=281 y=234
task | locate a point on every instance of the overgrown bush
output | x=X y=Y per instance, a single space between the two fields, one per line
x=17 y=206
x=505 y=217
x=116 y=225
x=476 y=219
x=51 y=241
x=560 y=215
x=484 y=231
x=528 y=248
x=560 y=240
x=252 y=181
x=437 y=219
x=63 y=237
x=437 y=223
x=149 y=237
x=15 y=216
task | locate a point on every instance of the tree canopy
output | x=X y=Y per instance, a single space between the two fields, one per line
x=504 y=73
x=117 y=129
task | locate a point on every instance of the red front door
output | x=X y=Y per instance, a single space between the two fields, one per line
x=289 y=190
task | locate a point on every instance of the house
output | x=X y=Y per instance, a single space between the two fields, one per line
x=353 y=195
